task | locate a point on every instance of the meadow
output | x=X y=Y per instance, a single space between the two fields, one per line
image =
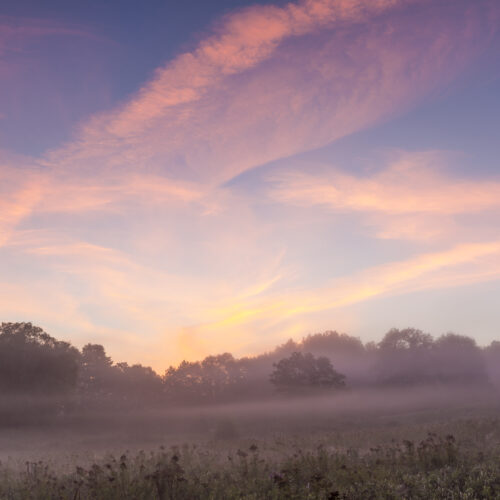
x=420 y=444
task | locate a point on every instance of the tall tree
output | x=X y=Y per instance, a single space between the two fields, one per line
x=96 y=374
x=405 y=357
x=32 y=361
x=458 y=359
x=304 y=371
x=216 y=378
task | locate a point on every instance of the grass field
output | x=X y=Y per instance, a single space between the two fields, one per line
x=300 y=450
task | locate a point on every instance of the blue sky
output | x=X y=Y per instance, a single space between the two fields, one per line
x=121 y=46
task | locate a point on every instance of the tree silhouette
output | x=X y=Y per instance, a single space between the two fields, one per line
x=410 y=357
x=409 y=338
x=405 y=357
x=304 y=371
x=458 y=359
x=31 y=361
x=214 y=379
x=492 y=360
x=96 y=371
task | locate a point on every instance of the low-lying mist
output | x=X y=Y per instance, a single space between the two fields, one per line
x=57 y=400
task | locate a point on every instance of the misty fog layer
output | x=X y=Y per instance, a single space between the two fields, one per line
x=63 y=380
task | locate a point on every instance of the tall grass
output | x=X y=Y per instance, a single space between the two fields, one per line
x=427 y=464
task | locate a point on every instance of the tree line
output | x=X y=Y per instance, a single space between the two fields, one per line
x=34 y=363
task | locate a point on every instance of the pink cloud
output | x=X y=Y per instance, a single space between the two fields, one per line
x=242 y=41
x=414 y=183
x=414 y=197
x=21 y=189
x=259 y=90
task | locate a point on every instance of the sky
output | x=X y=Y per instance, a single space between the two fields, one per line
x=179 y=179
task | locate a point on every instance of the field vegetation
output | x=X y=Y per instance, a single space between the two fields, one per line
x=352 y=447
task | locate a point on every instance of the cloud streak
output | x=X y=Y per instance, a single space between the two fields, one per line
x=243 y=40
x=260 y=89
x=416 y=196
x=412 y=184
x=273 y=315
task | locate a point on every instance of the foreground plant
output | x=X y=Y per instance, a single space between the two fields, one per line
x=433 y=468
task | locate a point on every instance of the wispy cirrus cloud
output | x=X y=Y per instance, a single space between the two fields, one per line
x=275 y=81
x=210 y=313
x=358 y=65
x=21 y=189
x=411 y=184
x=17 y=36
x=14 y=32
x=242 y=41
x=274 y=316
x=416 y=196
x=292 y=98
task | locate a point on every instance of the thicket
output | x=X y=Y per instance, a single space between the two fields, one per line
x=34 y=363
